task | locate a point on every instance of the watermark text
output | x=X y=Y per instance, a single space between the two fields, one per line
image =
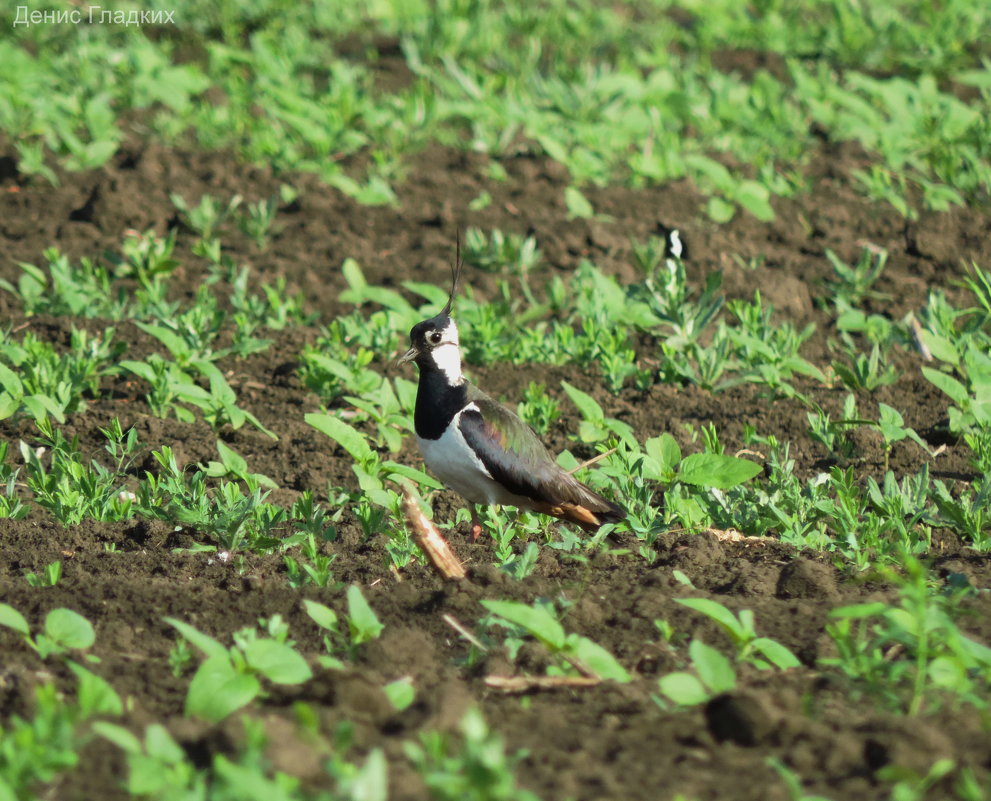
x=94 y=15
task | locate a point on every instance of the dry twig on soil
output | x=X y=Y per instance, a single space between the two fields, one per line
x=430 y=540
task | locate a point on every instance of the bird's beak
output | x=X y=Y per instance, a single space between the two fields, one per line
x=411 y=354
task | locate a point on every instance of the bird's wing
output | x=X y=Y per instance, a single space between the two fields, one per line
x=519 y=461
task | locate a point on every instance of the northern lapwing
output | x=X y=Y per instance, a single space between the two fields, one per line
x=478 y=447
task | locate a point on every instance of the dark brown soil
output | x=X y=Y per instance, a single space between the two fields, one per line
x=605 y=742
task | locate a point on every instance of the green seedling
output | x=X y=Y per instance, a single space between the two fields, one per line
x=762 y=652
x=181 y=658
x=36 y=380
x=834 y=435
x=376 y=505
x=905 y=507
x=892 y=426
x=401 y=693
x=147 y=258
x=257 y=222
x=11 y=506
x=475 y=769
x=768 y=353
x=973 y=400
x=51 y=576
x=499 y=252
x=35 y=751
x=595 y=426
x=978 y=441
x=572 y=652
x=171 y=385
x=666 y=293
x=538 y=409
x=158 y=767
x=229 y=678
x=663 y=462
x=73 y=491
x=878 y=330
x=384 y=409
x=867 y=372
x=234 y=466
x=224 y=513
x=207 y=215
x=932 y=659
x=851 y=285
x=332 y=377
x=313 y=567
x=363 y=626
x=63 y=631
x=969 y=513
x=909 y=785
x=83 y=290
x=713 y=674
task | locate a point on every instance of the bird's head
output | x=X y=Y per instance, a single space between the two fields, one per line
x=434 y=342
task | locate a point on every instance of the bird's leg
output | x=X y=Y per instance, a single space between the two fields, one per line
x=476 y=523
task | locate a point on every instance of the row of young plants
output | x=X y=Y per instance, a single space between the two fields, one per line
x=642 y=103
x=224 y=504
x=943 y=667
x=595 y=323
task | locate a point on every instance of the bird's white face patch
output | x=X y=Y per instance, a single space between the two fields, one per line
x=446 y=354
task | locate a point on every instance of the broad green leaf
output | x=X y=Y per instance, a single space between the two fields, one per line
x=577 y=204
x=947 y=673
x=160 y=745
x=720 y=210
x=371 y=783
x=362 y=620
x=755 y=198
x=716 y=470
x=231 y=459
x=277 y=662
x=69 y=629
x=683 y=688
x=8 y=405
x=714 y=669
x=96 y=696
x=166 y=336
x=118 y=735
x=586 y=404
x=857 y=611
x=775 y=653
x=217 y=690
x=348 y=437
x=940 y=347
x=713 y=610
x=10 y=382
x=40 y=406
x=597 y=659
x=13 y=619
x=411 y=473
x=535 y=619
x=323 y=616
x=957 y=391
x=664 y=453
x=400 y=693
x=204 y=642
x=591 y=432
x=352 y=273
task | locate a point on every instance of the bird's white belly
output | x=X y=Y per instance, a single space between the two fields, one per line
x=455 y=464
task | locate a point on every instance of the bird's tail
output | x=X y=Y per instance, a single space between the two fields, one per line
x=590 y=513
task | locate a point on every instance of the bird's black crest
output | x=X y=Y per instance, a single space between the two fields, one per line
x=455 y=276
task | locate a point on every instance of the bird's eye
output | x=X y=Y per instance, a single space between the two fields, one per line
x=435 y=337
